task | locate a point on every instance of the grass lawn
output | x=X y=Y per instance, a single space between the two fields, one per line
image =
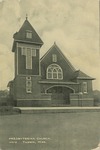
x=64 y=131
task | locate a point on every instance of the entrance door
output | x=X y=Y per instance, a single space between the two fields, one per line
x=60 y=95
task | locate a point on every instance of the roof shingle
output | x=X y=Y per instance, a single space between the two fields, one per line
x=21 y=34
x=81 y=75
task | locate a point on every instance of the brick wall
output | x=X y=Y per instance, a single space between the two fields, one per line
x=20 y=88
x=79 y=99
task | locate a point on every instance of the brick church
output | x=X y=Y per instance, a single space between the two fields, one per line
x=47 y=81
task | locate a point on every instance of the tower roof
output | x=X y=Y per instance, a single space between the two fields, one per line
x=21 y=35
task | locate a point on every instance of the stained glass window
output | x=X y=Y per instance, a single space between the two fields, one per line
x=54 y=71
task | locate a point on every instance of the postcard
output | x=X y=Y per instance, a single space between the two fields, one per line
x=49 y=75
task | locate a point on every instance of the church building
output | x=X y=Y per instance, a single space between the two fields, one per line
x=47 y=81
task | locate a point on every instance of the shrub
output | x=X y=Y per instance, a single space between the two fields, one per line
x=9 y=110
x=96 y=100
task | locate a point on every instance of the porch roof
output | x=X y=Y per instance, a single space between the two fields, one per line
x=78 y=74
x=57 y=82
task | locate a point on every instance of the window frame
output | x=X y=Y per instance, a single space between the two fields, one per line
x=28 y=34
x=25 y=51
x=28 y=90
x=85 y=87
x=28 y=85
x=54 y=58
x=28 y=78
x=54 y=73
x=28 y=63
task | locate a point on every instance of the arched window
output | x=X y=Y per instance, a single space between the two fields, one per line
x=54 y=71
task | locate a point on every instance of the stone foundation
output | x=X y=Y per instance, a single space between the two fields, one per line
x=33 y=103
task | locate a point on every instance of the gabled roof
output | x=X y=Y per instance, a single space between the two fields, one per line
x=58 y=49
x=21 y=34
x=81 y=75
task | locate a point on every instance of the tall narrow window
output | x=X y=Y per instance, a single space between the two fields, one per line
x=29 y=34
x=59 y=73
x=54 y=58
x=54 y=71
x=33 y=52
x=29 y=53
x=29 y=59
x=84 y=87
x=23 y=51
x=28 y=85
x=49 y=73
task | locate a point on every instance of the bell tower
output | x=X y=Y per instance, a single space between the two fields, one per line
x=26 y=48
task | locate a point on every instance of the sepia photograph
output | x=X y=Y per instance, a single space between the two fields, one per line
x=49 y=75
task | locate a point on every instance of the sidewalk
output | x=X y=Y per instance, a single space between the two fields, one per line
x=58 y=109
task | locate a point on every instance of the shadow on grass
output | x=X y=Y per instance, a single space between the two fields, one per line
x=9 y=110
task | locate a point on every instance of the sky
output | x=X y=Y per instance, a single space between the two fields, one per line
x=72 y=24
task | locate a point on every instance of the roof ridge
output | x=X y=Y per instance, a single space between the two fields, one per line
x=65 y=58
x=84 y=73
x=59 y=50
x=46 y=53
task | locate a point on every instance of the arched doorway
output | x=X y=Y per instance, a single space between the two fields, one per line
x=60 y=94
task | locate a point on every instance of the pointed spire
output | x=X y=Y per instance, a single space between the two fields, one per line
x=26 y=16
x=21 y=34
x=54 y=43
